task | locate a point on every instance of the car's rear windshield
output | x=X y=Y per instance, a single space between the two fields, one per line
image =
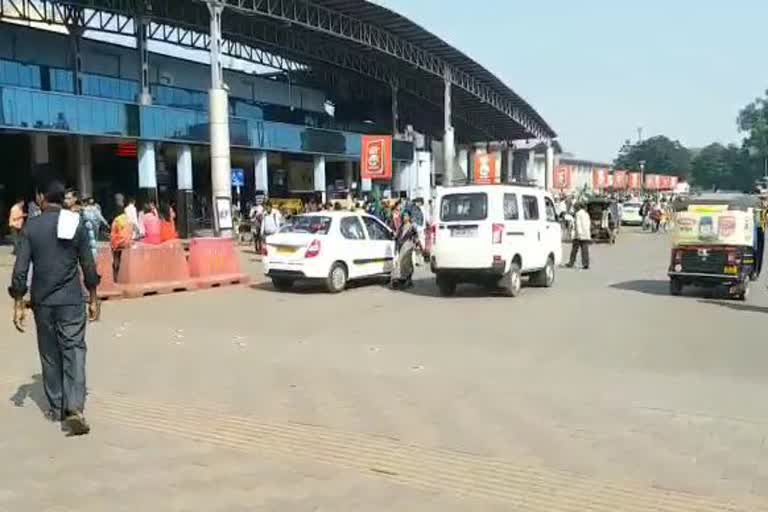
x=460 y=207
x=313 y=224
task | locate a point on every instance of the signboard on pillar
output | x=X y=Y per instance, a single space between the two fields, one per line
x=620 y=180
x=635 y=183
x=562 y=178
x=376 y=157
x=484 y=170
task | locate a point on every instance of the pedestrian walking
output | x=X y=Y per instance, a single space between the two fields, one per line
x=57 y=244
x=406 y=242
x=582 y=237
x=256 y=216
x=272 y=221
x=16 y=223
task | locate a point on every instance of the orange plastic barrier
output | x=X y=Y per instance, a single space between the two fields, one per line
x=153 y=269
x=107 y=287
x=215 y=262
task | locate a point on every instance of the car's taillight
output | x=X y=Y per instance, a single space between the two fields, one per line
x=498 y=233
x=732 y=258
x=313 y=249
x=678 y=256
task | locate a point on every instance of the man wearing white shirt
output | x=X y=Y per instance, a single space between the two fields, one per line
x=272 y=221
x=133 y=218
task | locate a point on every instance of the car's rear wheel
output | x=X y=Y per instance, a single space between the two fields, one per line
x=446 y=285
x=545 y=277
x=337 y=278
x=512 y=282
x=282 y=284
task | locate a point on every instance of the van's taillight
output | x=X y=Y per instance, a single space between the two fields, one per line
x=432 y=234
x=733 y=258
x=498 y=232
x=313 y=249
x=678 y=256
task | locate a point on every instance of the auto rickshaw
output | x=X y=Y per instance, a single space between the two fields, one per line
x=717 y=242
x=604 y=217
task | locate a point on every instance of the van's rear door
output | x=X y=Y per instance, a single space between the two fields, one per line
x=463 y=232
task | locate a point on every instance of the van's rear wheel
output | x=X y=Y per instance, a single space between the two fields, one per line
x=545 y=277
x=512 y=281
x=675 y=286
x=446 y=285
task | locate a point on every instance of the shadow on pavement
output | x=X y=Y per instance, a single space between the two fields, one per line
x=647 y=286
x=32 y=390
x=426 y=287
x=736 y=306
x=311 y=288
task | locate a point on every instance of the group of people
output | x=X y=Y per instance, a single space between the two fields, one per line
x=657 y=214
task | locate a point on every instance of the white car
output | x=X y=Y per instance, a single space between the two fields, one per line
x=493 y=235
x=630 y=214
x=330 y=247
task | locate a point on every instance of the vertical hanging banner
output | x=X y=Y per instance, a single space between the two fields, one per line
x=484 y=169
x=673 y=181
x=635 y=183
x=652 y=181
x=562 y=178
x=599 y=179
x=620 y=180
x=665 y=183
x=376 y=157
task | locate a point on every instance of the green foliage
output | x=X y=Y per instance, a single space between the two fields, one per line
x=753 y=120
x=660 y=154
x=725 y=168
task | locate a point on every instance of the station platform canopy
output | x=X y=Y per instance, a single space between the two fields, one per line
x=352 y=48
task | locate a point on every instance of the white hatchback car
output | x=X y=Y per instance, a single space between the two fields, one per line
x=330 y=247
x=630 y=214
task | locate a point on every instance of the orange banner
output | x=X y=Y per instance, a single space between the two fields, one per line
x=376 y=157
x=599 y=178
x=635 y=183
x=652 y=181
x=562 y=178
x=484 y=169
x=619 y=179
x=665 y=182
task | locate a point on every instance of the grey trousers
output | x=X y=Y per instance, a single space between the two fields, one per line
x=61 y=343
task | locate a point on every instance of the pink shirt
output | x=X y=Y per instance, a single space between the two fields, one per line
x=151 y=229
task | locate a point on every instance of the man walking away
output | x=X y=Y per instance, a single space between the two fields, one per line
x=57 y=244
x=582 y=237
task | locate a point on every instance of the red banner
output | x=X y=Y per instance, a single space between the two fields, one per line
x=665 y=183
x=634 y=181
x=562 y=178
x=599 y=178
x=484 y=169
x=673 y=182
x=620 y=180
x=376 y=157
x=652 y=181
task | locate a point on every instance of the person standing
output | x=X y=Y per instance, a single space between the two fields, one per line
x=57 y=245
x=133 y=218
x=256 y=216
x=272 y=221
x=16 y=223
x=582 y=237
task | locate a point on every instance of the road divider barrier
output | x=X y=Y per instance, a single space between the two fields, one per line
x=107 y=289
x=154 y=269
x=215 y=262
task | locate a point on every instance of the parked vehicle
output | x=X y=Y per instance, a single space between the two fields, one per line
x=716 y=243
x=493 y=235
x=630 y=214
x=329 y=247
x=605 y=219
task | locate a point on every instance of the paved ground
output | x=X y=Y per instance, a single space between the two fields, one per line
x=603 y=393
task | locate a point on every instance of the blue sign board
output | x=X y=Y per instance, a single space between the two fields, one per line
x=238 y=178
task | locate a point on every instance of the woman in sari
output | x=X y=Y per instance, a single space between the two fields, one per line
x=406 y=241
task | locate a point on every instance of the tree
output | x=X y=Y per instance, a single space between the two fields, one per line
x=724 y=168
x=660 y=154
x=753 y=120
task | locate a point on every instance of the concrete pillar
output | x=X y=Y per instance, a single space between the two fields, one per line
x=142 y=38
x=147 y=172
x=464 y=157
x=510 y=167
x=75 y=40
x=261 y=176
x=530 y=171
x=549 y=166
x=448 y=139
x=39 y=146
x=349 y=177
x=395 y=110
x=319 y=181
x=184 y=194
x=84 y=171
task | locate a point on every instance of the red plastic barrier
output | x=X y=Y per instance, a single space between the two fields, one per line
x=152 y=269
x=107 y=287
x=215 y=262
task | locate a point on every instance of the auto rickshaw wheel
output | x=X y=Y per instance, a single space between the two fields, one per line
x=743 y=292
x=675 y=286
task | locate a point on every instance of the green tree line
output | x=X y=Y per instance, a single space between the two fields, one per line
x=725 y=167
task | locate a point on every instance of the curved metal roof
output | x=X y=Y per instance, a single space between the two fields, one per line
x=411 y=31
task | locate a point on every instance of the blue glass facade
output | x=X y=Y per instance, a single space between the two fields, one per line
x=41 y=98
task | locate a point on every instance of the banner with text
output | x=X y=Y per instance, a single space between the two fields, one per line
x=620 y=180
x=484 y=169
x=635 y=182
x=376 y=157
x=562 y=178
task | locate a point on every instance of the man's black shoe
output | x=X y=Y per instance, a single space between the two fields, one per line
x=76 y=425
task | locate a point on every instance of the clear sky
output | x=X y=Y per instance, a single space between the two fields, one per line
x=598 y=69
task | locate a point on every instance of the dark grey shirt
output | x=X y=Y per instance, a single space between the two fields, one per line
x=57 y=263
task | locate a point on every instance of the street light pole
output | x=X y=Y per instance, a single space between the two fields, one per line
x=642 y=173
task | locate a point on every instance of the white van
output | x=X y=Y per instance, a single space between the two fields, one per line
x=493 y=235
